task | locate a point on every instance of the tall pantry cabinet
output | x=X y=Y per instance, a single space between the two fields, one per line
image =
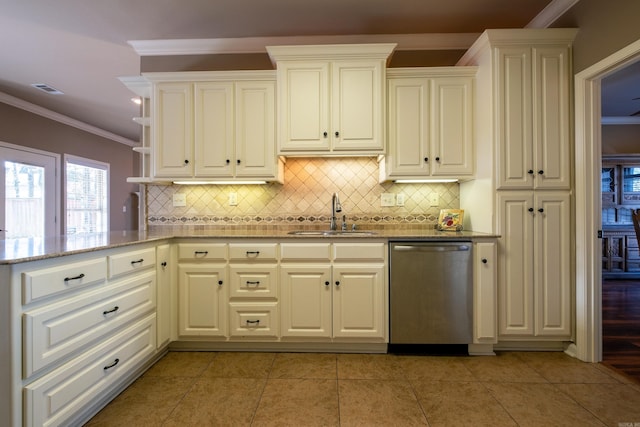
x=525 y=138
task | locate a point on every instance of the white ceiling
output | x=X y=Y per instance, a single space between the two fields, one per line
x=80 y=46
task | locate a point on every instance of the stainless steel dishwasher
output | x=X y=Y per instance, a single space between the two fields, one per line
x=431 y=292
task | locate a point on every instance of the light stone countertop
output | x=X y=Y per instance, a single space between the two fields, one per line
x=13 y=251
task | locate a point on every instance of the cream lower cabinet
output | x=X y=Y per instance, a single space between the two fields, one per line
x=534 y=279
x=333 y=291
x=485 y=294
x=203 y=290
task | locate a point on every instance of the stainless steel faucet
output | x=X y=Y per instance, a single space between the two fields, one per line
x=335 y=207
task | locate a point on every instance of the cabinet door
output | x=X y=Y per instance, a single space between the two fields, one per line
x=255 y=130
x=515 y=279
x=306 y=300
x=408 y=118
x=552 y=261
x=551 y=126
x=303 y=106
x=485 y=296
x=452 y=126
x=172 y=132
x=357 y=106
x=213 y=124
x=202 y=300
x=514 y=103
x=358 y=301
x=164 y=278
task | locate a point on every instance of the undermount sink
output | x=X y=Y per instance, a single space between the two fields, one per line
x=332 y=233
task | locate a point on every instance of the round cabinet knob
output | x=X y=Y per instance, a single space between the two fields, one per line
x=540 y=210
x=238 y=161
x=484 y=260
x=426 y=159
x=337 y=134
x=540 y=172
x=325 y=134
x=228 y=161
x=186 y=162
x=164 y=263
x=437 y=159
x=530 y=171
x=219 y=282
x=530 y=209
x=327 y=283
x=337 y=283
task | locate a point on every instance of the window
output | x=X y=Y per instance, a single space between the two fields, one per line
x=86 y=182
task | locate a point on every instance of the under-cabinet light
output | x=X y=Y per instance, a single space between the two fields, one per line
x=219 y=182
x=424 y=181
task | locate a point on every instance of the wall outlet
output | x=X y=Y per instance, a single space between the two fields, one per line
x=387 y=199
x=179 y=200
x=233 y=199
x=434 y=199
x=400 y=199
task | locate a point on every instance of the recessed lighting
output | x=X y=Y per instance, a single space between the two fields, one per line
x=136 y=100
x=46 y=88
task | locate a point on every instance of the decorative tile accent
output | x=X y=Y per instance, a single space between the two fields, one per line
x=304 y=199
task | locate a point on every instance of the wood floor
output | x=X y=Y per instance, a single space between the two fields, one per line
x=621 y=326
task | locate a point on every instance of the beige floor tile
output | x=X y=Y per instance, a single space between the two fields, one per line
x=181 y=364
x=147 y=402
x=298 y=402
x=304 y=365
x=378 y=402
x=557 y=367
x=217 y=402
x=449 y=403
x=613 y=404
x=434 y=368
x=503 y=367
x=240 y=365
x=534 y=404
x=369 y=367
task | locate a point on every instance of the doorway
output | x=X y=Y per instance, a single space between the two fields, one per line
x=29 y=192
x=588 y=161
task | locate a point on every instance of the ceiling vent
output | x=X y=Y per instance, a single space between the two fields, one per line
x=46 y=88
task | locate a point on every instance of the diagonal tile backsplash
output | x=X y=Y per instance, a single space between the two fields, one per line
x=303 y=200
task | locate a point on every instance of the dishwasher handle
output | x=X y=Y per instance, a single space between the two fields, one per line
x=432 y=248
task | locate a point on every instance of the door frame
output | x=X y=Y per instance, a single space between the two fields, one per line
x=588 y=200
x=56 y=185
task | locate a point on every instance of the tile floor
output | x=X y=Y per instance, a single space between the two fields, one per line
x=303 y=389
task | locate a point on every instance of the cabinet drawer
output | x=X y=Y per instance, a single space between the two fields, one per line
x=359 y=251
x=250 y=320
x=253 y=251
x=130 y=262
x=250 y=281
x=202 y=251
x=61 y=395
x=58 y=330
x=305 y=252
x=53 y=280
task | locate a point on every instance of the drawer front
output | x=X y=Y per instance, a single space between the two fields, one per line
x=305 y=252
x=131 y=262
x=63 y=278
x=253 y=252
x=202 y=252
x=359 y=251
x=58 y=397
x=254 y=281
x=254 y=320
x=58 y=330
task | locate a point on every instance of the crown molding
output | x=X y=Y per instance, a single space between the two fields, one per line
x=66 y=120
x=551 y=13
x=435 y=41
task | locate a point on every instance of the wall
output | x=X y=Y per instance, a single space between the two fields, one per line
x=304 y=201
x=621 y=139
x=23 y=128
x=605 y=27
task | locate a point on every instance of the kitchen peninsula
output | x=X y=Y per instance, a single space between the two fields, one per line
x=84 y=316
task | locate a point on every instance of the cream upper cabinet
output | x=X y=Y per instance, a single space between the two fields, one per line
x=534 y=283
x=331 y=99
x=430 y=123
x=533 y=96
x=214 y=126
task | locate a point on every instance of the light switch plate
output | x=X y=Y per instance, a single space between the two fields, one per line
x=434 y=199
x=387 y=199
x=400 y=199
x=233 y=199
x=179 y=200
